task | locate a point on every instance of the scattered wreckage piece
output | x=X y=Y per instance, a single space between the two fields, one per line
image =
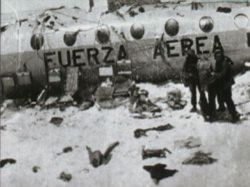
x=140 y=105
x=143 y=104
x=142 y=132
x=174 y=100
x=51 y=101
x=146 y=107
x=63 y=90
x=35 y=169
x=158 y=172
x=41 y=96
x=3 y=162
x=121 y=87
x=96 y=158
x=3 y=127
x=58 y=102
x=20 y=103
x=104 y=94
x=139 y=133
x=7 y=104
x=84 y=94
x=66 y=177
x=146 y=115
x=177 y=106
x=188 y=143
x=57 y=121
x=86 y=105
x=110 y=104
x=149 y=153
x=4 y=28
x=163 y=127
x=109 y=95
x=64 y=101
x=66 y=150
x=200 y=158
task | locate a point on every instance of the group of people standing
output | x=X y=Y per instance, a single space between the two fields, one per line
x=217 y=81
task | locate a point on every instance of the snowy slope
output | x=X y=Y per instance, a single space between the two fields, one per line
x=33 y=141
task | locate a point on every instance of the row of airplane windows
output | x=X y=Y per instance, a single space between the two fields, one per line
x=137 y=31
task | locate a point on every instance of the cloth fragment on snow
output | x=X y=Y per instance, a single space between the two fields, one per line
x=66 y=177
x=188 y=143
x=149 y=153
x=3 y=162
x=174 y=100
x=158 y=172
x=200 y=158
x=145 y=115
x=142 y=132
x=56 y=121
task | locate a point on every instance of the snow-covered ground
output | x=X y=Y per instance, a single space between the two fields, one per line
x=32 y=140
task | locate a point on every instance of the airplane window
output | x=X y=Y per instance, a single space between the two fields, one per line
x=241 y=20
x=206 y=24
x=137 y=31
x=69 y=38
x=103 y=35
x=172 y=27
x=37 y=41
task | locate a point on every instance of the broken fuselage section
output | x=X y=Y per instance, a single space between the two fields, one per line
x=147 y=46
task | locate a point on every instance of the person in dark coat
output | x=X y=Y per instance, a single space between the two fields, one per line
x=221 y=86
x=91 y=5
x=191 y=76
x=204 y=69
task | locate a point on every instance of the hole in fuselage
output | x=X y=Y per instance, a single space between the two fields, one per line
x=224 y=9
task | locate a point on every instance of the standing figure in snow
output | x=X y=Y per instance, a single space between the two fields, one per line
x=222 y=85
x=204 y=68
x=91 y=5
x=191 y=76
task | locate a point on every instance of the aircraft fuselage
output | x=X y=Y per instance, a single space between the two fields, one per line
x=157 y=56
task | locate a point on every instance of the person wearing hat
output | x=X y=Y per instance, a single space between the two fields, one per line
x=222 y=85
x=191 y=76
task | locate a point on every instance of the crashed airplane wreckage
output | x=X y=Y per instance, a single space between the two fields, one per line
x=62 y=50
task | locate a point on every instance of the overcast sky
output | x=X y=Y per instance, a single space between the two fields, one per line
x=8 y=6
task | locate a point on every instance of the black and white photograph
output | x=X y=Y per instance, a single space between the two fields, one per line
x=125 y=93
